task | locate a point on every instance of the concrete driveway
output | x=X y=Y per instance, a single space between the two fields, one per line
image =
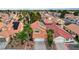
x=60 y=46
x=59 y=42
x=3 y=45
x=39 y=44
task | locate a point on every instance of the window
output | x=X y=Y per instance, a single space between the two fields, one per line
x=36 y=30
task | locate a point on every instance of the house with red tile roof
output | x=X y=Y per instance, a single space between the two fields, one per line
x=39 y=30
x=49 y=20
x=73 y=28
x=70 y=16
x=58 y=31
x=9 y=31
x=5 y=16
x=56 y=14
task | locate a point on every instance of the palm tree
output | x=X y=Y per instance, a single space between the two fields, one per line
x=22 y=36
x=38 y=16
x=21 y=18
x=34 y=16
x=28 y=29
x=50 y=36
x=25 y=34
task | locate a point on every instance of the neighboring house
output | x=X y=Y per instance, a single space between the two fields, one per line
x=60 y=43
x=77 y=17
x=5 y=16
x=9 y=30
x=56 y=14
x=69 y=16
x=73 y=29
x=60 y=22
x=58 y=31
x=70 y=21
x=5 y=34
x=48 y=21
x=39 y=30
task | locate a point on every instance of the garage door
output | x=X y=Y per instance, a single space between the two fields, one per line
x=39 y=39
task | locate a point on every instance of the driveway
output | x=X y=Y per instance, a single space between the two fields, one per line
x=3 y=45
x=39 y=44
x=60 y=46
x=59 y=42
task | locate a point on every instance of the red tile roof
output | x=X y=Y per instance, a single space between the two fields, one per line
x=35 y=24
x=74 y=28
x=47 y=21
x=10 y=30
x=62 y=32
x=42 y=30
x=59 y=30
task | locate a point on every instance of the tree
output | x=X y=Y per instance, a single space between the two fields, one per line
x=21 y=18
x=38 y=15
x=63 y=12
x=34 y=16
x=77 y=38
x=52 y=10
x=76 y=12
x=50 y=36
x=25 y=34
x=28 y=29
x=22 y=36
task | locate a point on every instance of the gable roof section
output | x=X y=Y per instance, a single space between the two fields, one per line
x=59 y=30
x=37 y=25
x=74 y=28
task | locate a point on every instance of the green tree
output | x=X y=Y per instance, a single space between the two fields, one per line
x=63 y=12
x=21 y=18
x=38 y=15
x=34 y=16
x=77 y=38
x=50 y=36
x=22 y=36
x=76 y=12
x=25 y=34
x=28 y=29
